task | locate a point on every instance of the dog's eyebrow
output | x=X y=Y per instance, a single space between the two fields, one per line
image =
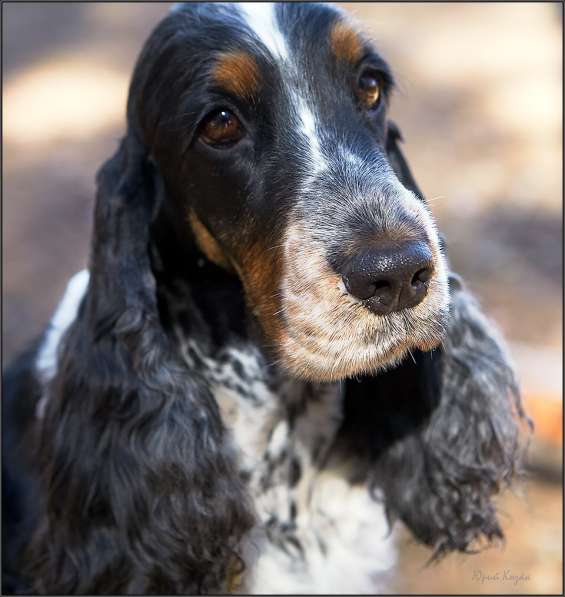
x=237 y=72
x=346 y=44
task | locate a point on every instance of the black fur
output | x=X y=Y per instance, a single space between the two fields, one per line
x=21 y=392
x=142 y=492
x=397 y=159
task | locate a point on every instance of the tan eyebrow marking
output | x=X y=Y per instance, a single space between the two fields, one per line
x=345 y=42
x=238 y=73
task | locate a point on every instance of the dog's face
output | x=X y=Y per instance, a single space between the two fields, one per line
x=268 y=124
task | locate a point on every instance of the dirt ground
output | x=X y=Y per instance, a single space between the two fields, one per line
x=479 y=102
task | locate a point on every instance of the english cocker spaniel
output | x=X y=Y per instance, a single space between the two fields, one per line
x=268 y=360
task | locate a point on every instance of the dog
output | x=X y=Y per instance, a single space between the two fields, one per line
x=268 y=363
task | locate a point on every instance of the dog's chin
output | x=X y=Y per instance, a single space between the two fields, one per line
x=350 y=353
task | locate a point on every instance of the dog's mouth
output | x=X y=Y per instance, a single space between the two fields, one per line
x=326 y=334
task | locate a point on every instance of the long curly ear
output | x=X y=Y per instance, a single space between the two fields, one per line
x=142 y=491
x=398 y=161
x=445 y=432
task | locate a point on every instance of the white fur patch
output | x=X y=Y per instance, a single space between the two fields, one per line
x=341 y=537
x=309 y=131
x=358 y=554
x=261 y=18
x=65 y=314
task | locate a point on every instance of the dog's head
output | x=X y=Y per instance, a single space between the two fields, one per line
x=268 y=124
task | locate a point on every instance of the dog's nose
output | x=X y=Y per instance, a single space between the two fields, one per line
x=391 y=277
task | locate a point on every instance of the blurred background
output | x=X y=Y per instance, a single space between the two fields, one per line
x=480 y=107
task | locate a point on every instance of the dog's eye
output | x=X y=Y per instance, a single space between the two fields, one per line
x=369 y=89
x=222 y=127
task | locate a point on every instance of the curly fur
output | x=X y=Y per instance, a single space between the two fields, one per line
x=142 y=494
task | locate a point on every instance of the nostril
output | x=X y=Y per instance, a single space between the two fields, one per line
x=383 y=297
x=381 y=285
x=358 y=286
x=421 y=277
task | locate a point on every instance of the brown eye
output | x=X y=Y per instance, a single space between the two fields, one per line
x=222 y=128
x=369 y=89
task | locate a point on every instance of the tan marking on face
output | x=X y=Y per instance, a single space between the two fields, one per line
x=261 y=272
x=315 y=329
x=238 y=73
x=345 y=43
x=207 y=243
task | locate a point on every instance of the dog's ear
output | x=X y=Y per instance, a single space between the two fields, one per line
x=398 y=161
x=142 y=490
x=441 y=432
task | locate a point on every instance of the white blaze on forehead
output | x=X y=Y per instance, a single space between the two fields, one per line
x=262 y=19
x=308 y=126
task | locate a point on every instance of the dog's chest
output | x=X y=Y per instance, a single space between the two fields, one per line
x=316 y=532
x=281 y=429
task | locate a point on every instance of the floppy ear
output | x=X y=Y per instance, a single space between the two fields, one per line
x=142 y=490
x=440 y=433
x=398 y=161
